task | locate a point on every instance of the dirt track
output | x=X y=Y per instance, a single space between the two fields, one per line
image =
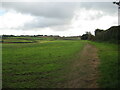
x=83 y=72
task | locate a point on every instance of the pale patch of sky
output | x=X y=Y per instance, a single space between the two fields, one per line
x=2 y=12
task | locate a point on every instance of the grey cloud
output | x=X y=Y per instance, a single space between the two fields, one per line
x=61 y=27
x=58 y=13
x=53 y=10
x=45 y=22
x=47 y=14
x=58 y=9
x=106 y=7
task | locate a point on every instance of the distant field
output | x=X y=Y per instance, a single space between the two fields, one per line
x=41 y=65
x=25 y=39
x=31 y=39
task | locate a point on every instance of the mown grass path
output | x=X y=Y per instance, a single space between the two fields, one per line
x=83 y=71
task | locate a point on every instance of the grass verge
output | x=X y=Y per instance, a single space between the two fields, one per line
x=108 y=54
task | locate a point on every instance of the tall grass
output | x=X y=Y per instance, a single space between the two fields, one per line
x=108 y=54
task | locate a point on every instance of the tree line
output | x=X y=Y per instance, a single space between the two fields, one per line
x=110 y=35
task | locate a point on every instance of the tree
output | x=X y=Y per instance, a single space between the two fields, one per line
x=87 y=36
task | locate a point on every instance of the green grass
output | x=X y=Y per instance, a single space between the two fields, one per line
x=108 y=67
x=38 y=65
x=45 y=63
x=26 y=39
x=17 y=40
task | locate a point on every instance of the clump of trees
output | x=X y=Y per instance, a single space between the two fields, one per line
x=110 y=34
x=87 y=36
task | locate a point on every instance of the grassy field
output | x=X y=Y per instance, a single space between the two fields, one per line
x=45 y=63
x=26 y=39
x=41 y=65
x=108 y=68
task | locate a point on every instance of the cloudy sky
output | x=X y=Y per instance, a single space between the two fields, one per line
x=56 y=18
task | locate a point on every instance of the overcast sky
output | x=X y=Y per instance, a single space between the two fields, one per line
x=56 y=18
